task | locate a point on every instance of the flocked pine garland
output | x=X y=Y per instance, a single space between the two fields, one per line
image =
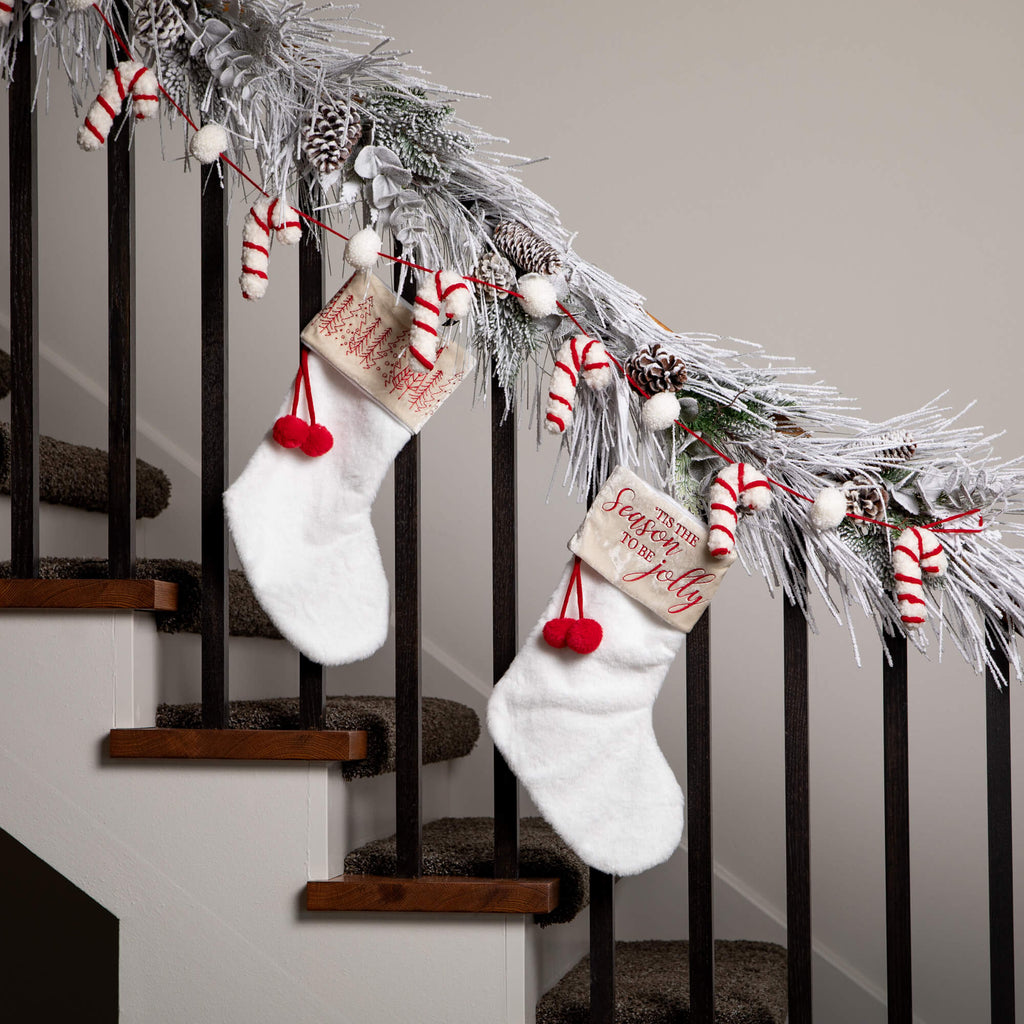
x=315 y=100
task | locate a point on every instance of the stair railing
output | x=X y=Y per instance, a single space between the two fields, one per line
x=215 y=612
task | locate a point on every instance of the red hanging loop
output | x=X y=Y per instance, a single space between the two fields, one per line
x=292 y=431
x=581 y=635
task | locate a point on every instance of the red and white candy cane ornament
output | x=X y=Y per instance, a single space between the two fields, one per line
x=736 y=486
x=917 y=551
x=579 y=357
x=265 y=216
x=445 y=293
x=581 y=635
x=129 y=78
x=6 y=12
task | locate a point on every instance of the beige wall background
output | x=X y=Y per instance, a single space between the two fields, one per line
x=837 y=182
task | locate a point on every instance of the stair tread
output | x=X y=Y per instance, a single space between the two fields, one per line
x=464 y=847
x=136 y=594
x=444 y=894
x=450 y=729
x=77 y=475
x=246 y=617
x=652 y=985
x=240 y=744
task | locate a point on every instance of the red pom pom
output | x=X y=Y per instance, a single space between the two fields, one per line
x=584 y=635
x=319 y=441
x=556 y=630
x=290 y=431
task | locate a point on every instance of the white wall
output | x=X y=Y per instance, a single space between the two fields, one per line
x=837 y=182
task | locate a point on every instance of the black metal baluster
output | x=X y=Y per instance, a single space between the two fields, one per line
x=121 y=338
x=798 y=821
x=312 y=697
x=408 y=689
x=897 y=832
x=504 y=613
x=24 y=309
x=407 y=659
x=214 y=327
x=602 y=924
x=698 y=821
x=602 y=947
x=1000 y=830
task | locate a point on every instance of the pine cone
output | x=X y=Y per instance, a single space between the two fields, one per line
x=526 y=250
x=493 y=267
x=160 y=23
x=329 y=138
x=174 y=68
x=655 y=369
x=895 y=447
x=864 y=497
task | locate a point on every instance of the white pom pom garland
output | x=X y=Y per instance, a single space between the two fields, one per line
x=264 y=216
x=660 y=411
x=829 y=508
x=917 y=551
x=579 y=357
x=446 y=292
x=537 y=295
x=129 y=78
x=738 y=485
x=362 y=251
x=207 y=144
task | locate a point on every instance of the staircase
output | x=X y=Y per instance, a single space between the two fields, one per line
x=254 y=880
x=360 y=733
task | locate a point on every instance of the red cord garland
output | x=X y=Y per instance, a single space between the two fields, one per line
x=508 y=291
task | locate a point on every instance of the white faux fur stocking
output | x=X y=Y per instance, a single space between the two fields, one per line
x=576 y=729
x=302 y=527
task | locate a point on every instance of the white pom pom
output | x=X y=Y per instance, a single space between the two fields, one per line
x=829 y=509
x=537 y=295
x=207 y=144
x=77 y=5
x=660 y=411
x=362 y=249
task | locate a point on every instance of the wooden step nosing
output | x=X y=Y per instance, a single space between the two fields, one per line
x=433 y=894
x=240 y=744
x=90 y=594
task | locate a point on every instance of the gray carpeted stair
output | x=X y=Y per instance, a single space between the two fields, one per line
x=450 y=729
x=5 y=374
x=652 y=985
x=246 y=617
x=74 y=475
x=465 y=847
